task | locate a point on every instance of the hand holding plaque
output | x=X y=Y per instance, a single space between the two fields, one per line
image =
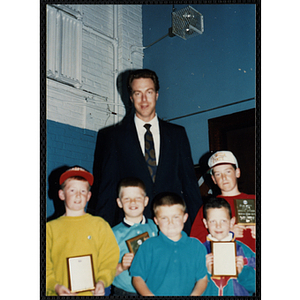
x=245 y=211
x=81 y=273
x=224 y=261
x=134 y=243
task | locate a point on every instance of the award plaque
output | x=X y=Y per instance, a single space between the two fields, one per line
x=245 y=211
x=81 y=273
x=134 y=243
x=224 y=259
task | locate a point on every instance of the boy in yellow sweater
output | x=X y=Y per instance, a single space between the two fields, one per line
x=78 y=233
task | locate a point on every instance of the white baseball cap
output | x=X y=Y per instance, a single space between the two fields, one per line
x=222 y=157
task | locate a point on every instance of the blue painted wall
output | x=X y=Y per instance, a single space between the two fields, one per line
x=204 y=72
x=66 y=146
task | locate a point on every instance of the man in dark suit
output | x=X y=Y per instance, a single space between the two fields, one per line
x=121 y=151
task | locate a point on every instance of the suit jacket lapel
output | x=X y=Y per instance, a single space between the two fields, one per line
x=165 y=149
x=132 y=140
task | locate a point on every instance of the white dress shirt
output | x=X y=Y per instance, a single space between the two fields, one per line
x=141 y=130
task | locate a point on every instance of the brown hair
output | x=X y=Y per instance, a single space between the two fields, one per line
x=142 y=73
x=131 y=181
x=167 y=199
x=216 y=203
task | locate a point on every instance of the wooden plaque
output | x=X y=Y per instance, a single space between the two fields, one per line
x=245 y=211
x=81 y=273
x=134 y=243
x=224 y=259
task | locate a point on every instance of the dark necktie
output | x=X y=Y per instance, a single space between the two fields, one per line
x=150 y=152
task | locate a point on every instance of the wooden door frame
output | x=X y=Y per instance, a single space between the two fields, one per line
x=217 y=127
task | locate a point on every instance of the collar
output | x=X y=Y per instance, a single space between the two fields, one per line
x=129 y=223
x=229 y=238
x=140 y=123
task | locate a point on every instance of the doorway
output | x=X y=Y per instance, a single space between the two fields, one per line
x=236 y=133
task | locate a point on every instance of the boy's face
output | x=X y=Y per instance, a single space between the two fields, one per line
x=76 y=194
x=170 y=220
x=225 y=176
x=133 y=201
x=218 y=222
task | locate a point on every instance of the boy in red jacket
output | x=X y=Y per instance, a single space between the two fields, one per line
x=225 y=173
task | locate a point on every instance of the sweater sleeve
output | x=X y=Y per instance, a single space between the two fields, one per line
x=249 y=255
x=50 y=278
x=106 y=176
x=247 y=279
x=190 y=188
x=108 y=256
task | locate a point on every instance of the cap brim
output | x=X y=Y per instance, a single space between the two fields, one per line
x=73 y=173
x=224 y=163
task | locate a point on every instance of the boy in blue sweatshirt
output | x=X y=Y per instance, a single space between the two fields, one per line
x=133 y=200
x=217 y=218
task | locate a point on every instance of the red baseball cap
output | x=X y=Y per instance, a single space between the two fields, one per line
x=77 y=171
